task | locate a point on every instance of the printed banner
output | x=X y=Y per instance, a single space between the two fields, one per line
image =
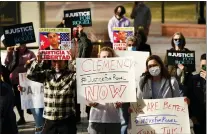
x=105 y=80
x=55 y=38
x=32 y=95
x=185 y=58
x=55 y=54
x=139 y=60
x=120 y=35
x=78 y=17
x=20 y=33
x=160 y=116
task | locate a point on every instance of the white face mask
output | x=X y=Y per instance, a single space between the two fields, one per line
x=155 y=71
x=129 y=48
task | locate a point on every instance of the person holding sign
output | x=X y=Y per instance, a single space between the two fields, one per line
x=156 y=82
x=179 y=71
x=59 y=95
x=118 y=20
x=104 y=118
x=16 y=58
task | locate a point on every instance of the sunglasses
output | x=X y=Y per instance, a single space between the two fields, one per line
x=177 y=39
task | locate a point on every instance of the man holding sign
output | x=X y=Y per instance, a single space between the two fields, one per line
x=59 y=95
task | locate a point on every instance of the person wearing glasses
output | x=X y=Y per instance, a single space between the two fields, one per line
x=179 y=71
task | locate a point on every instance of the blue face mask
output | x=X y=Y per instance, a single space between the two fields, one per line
x=177 y=42
x=131 y=48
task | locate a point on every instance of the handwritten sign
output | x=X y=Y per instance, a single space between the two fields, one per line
x=32 y=95
x=120 y=35
x=55 y=43
x=160 y=116
x=139 y=62
x=78 y=17
x=20 y=33
x=185 y=58
x=105 y=80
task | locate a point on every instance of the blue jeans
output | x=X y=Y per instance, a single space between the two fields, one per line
x=124 y=115
x=38 y=117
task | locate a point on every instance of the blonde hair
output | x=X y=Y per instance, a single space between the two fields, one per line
x=108 y=49
x=131 y=38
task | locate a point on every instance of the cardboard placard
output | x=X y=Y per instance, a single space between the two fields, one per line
x=105 y=80
x=20 y=33
x=120 y=35
x=55 y=38
x=32 y=94
x=184 y=58
x=160 y=116
x=78 y=17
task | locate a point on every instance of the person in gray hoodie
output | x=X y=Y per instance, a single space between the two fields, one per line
x=141 y=15
x=156 y=82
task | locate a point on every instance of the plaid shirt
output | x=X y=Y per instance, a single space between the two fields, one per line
x=59 y=94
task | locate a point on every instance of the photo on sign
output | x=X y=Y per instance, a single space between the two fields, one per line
x=55 y=38
x=19 y=34
x=55 y=43
x=78 y=17
x=120 y=35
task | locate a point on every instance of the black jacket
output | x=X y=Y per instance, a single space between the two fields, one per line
x=7 y=115
x=145 y=48
x=197 y=95
x=85 y=46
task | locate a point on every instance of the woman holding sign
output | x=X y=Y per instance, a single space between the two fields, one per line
x=105 y=118
x=156 y=82
x=179 y=71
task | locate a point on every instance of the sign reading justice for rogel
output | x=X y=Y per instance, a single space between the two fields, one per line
x=185 y=58
x=20 y=33
x=78 y=17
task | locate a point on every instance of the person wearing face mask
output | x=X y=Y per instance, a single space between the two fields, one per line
x=131 y=43
x=197 y=96
x=156 y=82
x=180 y=72
x=81 y=41
x=118 y=20
x=142 y=16
x=59 y=95
x=16 y=58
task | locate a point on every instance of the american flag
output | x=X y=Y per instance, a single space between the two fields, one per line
x=44 y=43
x=64 y=37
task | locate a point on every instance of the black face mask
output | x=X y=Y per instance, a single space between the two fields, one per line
x=120 y=15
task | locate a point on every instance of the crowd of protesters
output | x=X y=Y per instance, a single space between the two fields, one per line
x=61 y=112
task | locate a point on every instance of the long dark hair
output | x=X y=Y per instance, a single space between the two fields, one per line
x=164 y=72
